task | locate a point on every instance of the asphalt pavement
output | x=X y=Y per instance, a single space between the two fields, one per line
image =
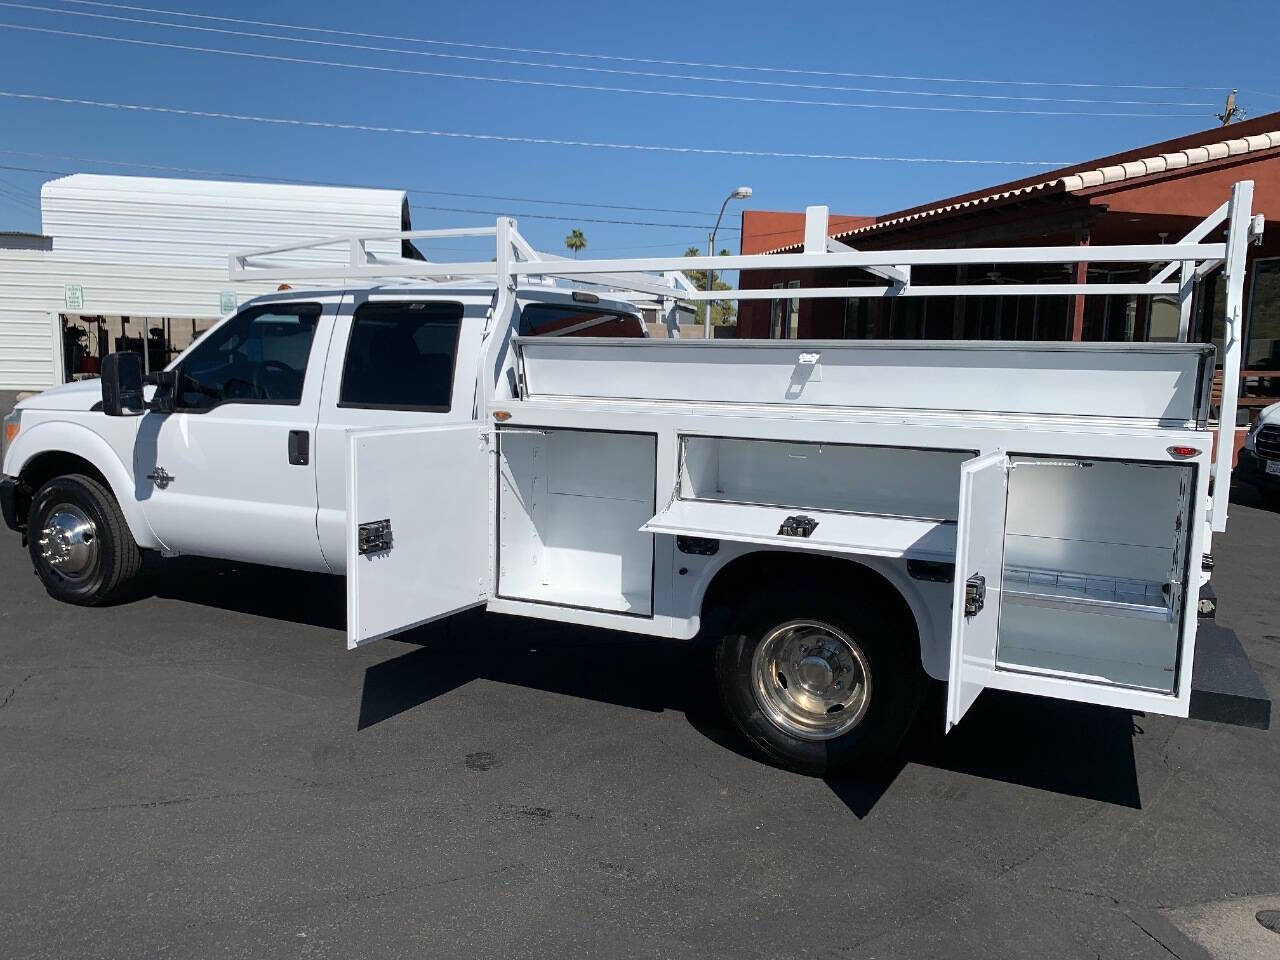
x=206 y=771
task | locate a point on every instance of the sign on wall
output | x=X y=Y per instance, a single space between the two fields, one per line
x=73 y=295
x=227 y=301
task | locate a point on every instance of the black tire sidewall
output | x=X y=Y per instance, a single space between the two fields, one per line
x=896 y=680
x=72 y=490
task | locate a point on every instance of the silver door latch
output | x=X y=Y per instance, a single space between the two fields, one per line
x=975 y=594
x=375 y=537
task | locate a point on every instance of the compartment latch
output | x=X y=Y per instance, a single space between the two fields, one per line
x=975 y=595
x=375 y=537
x=797 y=526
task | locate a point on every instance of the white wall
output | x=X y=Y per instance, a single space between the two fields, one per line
x=144 y=246
x=28 y=358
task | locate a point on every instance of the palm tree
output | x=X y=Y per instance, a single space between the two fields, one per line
x=722 y=311
x=576 y=241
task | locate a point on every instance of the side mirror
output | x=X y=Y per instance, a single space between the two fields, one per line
x=164 y=399
x=122 y=385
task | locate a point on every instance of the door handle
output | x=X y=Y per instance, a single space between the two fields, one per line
x=299 y=448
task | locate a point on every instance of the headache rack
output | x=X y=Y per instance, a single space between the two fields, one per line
x=1175 y=269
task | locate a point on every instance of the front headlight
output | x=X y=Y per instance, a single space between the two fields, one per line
x=12 y=424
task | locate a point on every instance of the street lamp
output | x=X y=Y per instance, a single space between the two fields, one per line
x=741 y=193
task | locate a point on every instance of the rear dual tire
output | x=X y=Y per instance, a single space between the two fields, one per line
x=819 y=682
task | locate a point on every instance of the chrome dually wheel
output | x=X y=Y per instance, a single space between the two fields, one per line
x=811 y=679
x=69 y=542
x=79 y=541
x=821 y=672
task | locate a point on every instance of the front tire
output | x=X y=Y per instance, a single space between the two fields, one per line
x=818 y=682
x=79 y=542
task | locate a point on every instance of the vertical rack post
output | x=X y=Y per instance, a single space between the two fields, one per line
x=1238 y=219
x=1186 y=288
x=498 y=333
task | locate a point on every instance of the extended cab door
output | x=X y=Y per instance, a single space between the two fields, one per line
x=418 y=541
x=396 y=360
x=975 y=603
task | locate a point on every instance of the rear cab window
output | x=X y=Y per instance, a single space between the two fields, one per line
x=577 y=320
x=401 y=355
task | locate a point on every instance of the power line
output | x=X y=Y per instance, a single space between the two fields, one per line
x=14 y=192
x=14 y=200
x=505 y=138
x=594 y=88
x=168 y=168
x=526 y=215
x=15 y=206
x=17 y=201
x=648 y=60
x=590 y=69
x=522 y=214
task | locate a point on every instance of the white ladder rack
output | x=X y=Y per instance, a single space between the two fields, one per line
x=662 y=278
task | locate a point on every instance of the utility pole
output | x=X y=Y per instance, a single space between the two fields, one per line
x=741 y=193
x=1230 y=113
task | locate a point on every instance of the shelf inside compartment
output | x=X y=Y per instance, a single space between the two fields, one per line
x=1110 y=596
x=588 y=597
x=840 y=532
x=840 y=478
x=1077 y=644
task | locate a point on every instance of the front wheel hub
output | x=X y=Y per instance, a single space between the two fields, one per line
x=68 y=541
x=811 y=679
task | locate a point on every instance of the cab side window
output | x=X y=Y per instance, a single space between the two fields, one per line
x=259 y=356
x=400 y=356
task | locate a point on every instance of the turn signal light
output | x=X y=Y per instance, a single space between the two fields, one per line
x=11 y=428
x=502 y=416
x=284 y=286
x=1183 y=452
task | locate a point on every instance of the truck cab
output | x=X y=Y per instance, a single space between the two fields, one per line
x=240 y=453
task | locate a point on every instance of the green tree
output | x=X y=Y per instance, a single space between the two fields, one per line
x=575 y=241
x=722 y=311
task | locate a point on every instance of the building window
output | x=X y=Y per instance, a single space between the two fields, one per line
x=1264 y=316
x=855 y=315
x=777 y=310
x=1164 y=319
x=1206 y=309
x=792 y=330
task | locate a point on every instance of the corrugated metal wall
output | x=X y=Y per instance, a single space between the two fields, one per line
x=150 y=247
x=27 y=357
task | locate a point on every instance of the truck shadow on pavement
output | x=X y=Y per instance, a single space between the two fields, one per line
x=1247 y=496
x=314 y=599
x=1056 y=746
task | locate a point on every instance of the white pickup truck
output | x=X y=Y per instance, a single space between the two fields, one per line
x=842 y=519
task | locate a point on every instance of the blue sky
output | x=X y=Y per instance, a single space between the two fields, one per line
x=1202 y=51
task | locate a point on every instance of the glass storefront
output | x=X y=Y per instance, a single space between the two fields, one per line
x=1263 y=348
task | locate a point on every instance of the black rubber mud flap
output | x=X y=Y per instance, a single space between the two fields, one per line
x=1224 y=686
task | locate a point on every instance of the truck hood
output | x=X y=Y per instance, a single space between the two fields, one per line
x=1269 y=415
x=76 y=395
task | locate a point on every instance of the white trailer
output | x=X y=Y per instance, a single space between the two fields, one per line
x=842 y=519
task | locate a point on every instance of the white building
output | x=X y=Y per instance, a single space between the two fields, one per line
x=123 y=258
